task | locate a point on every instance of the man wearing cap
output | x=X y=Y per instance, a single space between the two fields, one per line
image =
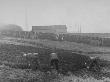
x=94 y=65
x=35 y=61
x=54 y=61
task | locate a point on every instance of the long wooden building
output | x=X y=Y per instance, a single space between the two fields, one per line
x=50 y=29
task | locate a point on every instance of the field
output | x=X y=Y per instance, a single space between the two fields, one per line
x=11 y=68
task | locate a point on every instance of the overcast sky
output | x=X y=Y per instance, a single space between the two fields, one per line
x=90 y=15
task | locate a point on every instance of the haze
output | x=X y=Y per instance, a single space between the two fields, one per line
x=89 y=15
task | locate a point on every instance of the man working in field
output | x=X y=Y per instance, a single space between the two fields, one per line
x=54 y=61
x=94 y=65
x=33 y=60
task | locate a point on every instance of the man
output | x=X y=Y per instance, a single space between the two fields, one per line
x=54 y=61
x=35 y=62
x=94 y=65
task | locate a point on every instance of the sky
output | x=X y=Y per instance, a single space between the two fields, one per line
x=90 y=15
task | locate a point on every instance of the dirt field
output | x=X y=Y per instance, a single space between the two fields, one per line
x=85 y=49
x=11 y=48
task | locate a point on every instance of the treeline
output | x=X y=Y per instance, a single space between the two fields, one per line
x=79 y=38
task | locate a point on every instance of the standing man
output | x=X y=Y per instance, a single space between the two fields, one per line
x=35 y=61
x=54 y=61
x=95 y=65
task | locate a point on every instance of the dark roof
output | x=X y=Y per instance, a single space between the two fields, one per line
x=59 y=26
x=41 y=27
x=49 y=27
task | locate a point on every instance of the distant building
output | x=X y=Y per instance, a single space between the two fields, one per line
x=50 y=29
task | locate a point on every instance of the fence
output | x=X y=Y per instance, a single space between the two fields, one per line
x=79 y=38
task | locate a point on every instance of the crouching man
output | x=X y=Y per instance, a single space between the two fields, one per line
x=54 y=61
x=33 y=60
x=94 y=64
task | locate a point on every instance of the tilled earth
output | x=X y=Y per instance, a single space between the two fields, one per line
x=10 y=55
x=8 y=74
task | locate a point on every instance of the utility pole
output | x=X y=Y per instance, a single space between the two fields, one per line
x=14 y=19
x=26 y=18
x=80 y=30
x=76 y=26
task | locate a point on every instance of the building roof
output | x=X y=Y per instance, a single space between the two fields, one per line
x=40 y=27
x=59 y=26
x=49 y=27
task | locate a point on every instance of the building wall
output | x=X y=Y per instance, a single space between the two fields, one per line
x=61 y=31
x=60 y=28
x=50 y=29
x=44 y=31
